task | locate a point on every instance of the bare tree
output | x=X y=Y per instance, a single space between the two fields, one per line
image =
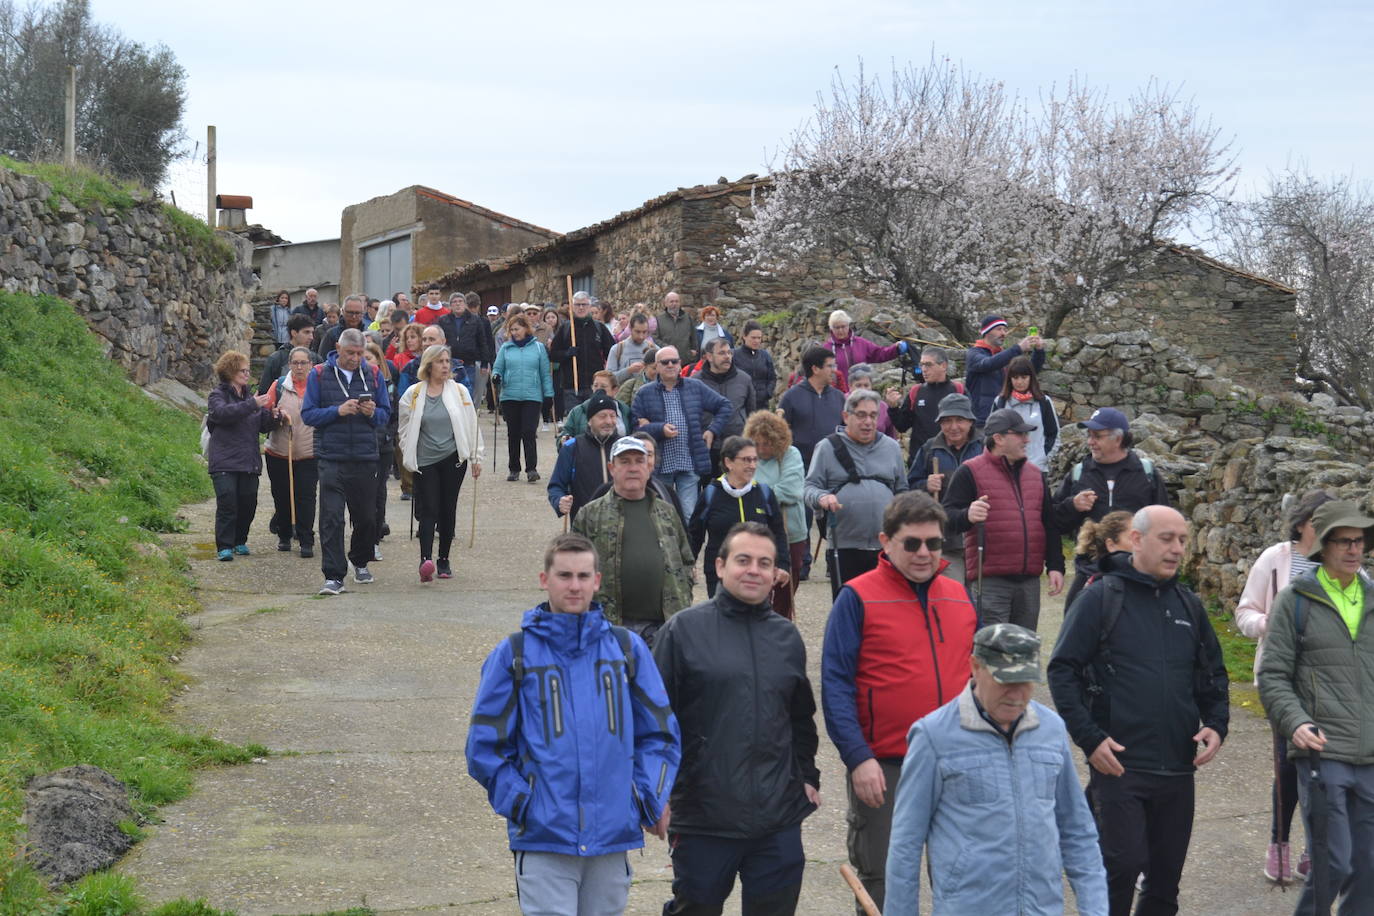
x=129 y=97
x=1316 y=236
x=941 y=189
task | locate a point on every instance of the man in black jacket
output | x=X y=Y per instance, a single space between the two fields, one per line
x=354 y=308
x=720 y=375
x=1138 y=677
x=463 y=329
x=735 y=673
x=919 y=409
x=588 y=355
x=1113 y=478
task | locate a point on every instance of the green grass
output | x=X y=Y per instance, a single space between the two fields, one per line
x=91 y=470
x=210 y=249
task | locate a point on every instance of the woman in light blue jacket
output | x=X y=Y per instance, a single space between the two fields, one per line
x=780 y=467
x=522 y=370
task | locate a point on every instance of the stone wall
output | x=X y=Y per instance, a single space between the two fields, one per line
x=164 y=304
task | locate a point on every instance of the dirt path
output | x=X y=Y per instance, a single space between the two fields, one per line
x=367 y=696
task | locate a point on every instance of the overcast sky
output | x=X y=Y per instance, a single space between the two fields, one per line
x=563 y=114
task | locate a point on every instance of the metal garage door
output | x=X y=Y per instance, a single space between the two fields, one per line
x=386 y=268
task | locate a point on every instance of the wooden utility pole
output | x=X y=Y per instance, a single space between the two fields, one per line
x=69 y=121
x=210 y=175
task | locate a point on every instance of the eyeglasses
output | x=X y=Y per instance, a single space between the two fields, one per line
x=913 y=545
x=747 y=459
x=1347 y=543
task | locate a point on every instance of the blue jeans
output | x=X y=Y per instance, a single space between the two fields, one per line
x=687 y=484
x=1349 y=835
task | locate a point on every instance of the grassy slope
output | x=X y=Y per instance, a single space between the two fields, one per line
x=90 y=471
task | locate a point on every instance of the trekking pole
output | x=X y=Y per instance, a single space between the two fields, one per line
x=412 y=506
x=1282 y=881
x=982 y=541
x=865 y=901
x=472 y=532
x=572 y=329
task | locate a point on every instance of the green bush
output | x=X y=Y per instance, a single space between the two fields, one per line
x=91 y=470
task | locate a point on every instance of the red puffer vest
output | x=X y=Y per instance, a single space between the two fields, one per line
x=913 y=659
x=1015 y=538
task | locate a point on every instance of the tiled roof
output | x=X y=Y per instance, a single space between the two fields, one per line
x=482 y=211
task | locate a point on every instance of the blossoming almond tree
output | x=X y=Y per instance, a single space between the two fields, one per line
x=956 y=198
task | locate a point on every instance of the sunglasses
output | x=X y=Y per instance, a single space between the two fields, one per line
x=913 y=545
x=667 y=362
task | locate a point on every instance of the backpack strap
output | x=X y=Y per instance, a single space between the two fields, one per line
x=1112 y=603
x=622 y=636
x=846 y=461
x=517 y=652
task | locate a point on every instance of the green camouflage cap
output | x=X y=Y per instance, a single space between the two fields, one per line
x=1011 y=653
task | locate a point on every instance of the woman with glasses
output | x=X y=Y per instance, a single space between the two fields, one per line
x=235 y=418
x=735 y=497
x=291 y=455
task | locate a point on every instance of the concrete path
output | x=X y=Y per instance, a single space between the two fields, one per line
x=366 y=697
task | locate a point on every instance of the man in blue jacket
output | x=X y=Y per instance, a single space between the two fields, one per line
x=989 y=777
x=671 y=409
x=573 y=739
x=346 y=402
x=985 y=363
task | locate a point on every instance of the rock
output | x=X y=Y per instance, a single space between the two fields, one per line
x=1323 y=401
x=73 y=817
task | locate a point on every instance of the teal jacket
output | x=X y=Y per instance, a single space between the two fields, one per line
x=524 y=372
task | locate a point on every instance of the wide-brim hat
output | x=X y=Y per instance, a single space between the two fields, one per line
x=1339 y=513
x=956 y=405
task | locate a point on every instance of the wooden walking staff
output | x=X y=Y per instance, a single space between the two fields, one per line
x=572 y=329
x=869 y=907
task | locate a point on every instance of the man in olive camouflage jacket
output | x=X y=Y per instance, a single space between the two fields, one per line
x=647 y=565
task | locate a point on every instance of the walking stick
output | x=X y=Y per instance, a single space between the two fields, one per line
x=572 y=329
x=472 y=534
x=865 y=901
x=1282 y=881
x=982 y=540
x=291 y=473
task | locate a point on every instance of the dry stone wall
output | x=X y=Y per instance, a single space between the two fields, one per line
x=161 y=304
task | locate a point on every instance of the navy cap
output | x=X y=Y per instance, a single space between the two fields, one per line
x=1106 y=418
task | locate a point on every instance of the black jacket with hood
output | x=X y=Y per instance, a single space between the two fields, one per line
x=736 y=678
x=1159 y=685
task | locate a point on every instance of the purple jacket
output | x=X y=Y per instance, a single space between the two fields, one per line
x=234 y=421
x=858 y=350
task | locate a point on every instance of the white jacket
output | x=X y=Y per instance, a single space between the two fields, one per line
x=461 y=412
x=1267 y=578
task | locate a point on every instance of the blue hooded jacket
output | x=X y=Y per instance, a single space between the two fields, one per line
x=580 y=758
x=352 y=437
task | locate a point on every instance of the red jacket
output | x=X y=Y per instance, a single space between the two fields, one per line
x=426 y=315
x=912 y=659
x=1014 y=533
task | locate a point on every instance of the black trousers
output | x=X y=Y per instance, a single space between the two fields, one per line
x=351 y=484
x=704 y=867
x=436 y=503
x=383 y=473
x=522 y=428
x=1144 y=825
x=307 y=474
x=851 y=562
x=236 y=502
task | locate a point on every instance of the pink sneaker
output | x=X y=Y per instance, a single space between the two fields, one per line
x=1274 y=864
x=426 y=570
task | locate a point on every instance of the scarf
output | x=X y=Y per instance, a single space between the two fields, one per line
x=1023 y=396
x=731 y=491
x=523 y=341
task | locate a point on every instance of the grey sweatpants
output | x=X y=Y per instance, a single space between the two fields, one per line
x=868 y=834
x=553 y=884
x=1009 y=599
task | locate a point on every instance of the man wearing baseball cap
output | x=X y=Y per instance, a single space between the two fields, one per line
x=938 y=459
x=986 y=362
x=1000 y=503
x=989 y=777
x=648 y=572
x=1316 y=678
x=1113 y=478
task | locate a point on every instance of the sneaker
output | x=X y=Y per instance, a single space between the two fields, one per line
x=225 y=555
x=362 y=576
x=405 y=497
x=1304 y=865
x=445 y=571
x=513 y=475
x=377 y=552
x=307 y=552
x=333 y=587
x=426 y=570
x=1273 y=862
x=284 y=546
x=543 y=427
x=241 y=550
x=532 y=476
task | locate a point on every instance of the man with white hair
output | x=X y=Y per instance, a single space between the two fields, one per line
x=1138 y=678
x=850 y=349
x=311 y=308
x=853 y=476
x=579 y=362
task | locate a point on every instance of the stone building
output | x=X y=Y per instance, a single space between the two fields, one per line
x=411 y=237
x=1245 y=325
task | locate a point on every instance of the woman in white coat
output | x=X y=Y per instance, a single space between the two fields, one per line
x=439 y=439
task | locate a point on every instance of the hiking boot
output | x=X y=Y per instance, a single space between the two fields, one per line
x=307 y=551
x=445 y=571
x=405 y=497
x=241 y=550
x=386 y=529
x=284 y=546
x=513 y=475
x=362 y=576
x=225 y=555
x=333 y=587
x=532 y=476
x=272 y=526
x=426 y=570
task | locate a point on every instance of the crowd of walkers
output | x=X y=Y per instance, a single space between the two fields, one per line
x=675 y=447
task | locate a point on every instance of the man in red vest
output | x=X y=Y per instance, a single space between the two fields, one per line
x=1000 y=502
x=897 y=647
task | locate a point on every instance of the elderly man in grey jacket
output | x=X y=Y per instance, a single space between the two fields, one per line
x=853 y=476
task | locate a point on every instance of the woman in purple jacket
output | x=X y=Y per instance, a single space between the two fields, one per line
x=850 y=349
x=236 y=416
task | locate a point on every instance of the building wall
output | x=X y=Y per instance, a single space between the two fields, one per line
x=296 y=268
x=369 y=221
x=453 y=234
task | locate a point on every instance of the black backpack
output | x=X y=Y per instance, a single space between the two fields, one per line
x=846 y=461
x=1114 y=598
